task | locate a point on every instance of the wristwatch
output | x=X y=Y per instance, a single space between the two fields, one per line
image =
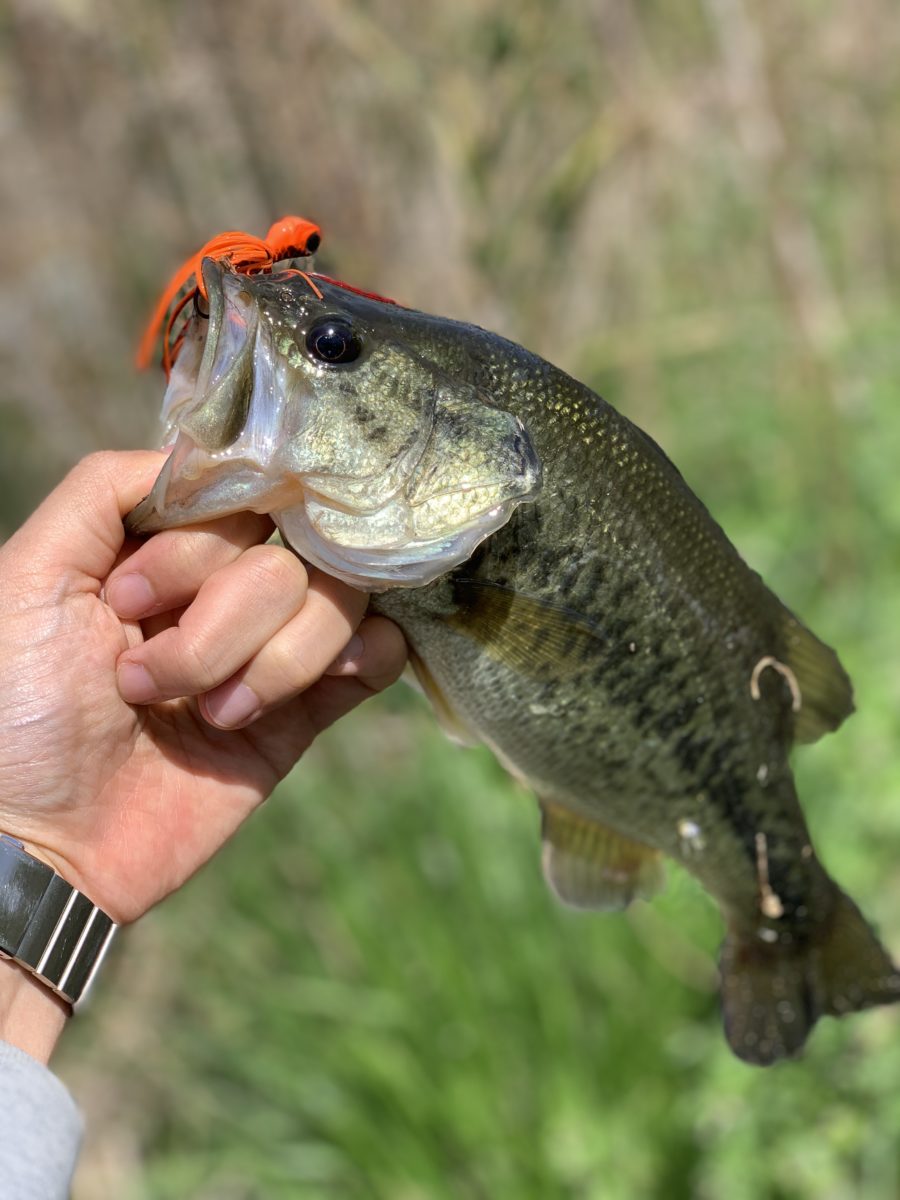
x=48 y=926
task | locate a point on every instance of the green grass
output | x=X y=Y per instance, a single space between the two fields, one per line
x=370 y=994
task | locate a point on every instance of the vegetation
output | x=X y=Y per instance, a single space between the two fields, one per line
x=692 y=206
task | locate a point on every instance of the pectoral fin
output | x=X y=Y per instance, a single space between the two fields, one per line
x=524 y=632
x=589 y=866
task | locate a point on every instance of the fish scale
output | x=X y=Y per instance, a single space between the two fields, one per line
x=574 y=606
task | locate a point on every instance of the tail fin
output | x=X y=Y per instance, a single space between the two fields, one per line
x=773 y=993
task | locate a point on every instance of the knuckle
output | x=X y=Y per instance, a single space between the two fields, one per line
x=190 y=556
x=291 y=671
x=275 y=569
x=182 y=558
x=97 y=469
x=97 y=463
x=198 y=664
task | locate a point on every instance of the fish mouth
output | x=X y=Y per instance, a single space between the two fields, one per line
x=256 y=427
x=218 y=464
x=195 y=486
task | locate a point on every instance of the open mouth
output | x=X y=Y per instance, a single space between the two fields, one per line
x=257 y=429
x=221 y=462
x=196 y=486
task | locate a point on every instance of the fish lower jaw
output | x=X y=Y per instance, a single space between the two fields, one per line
x=380 y=567
x=373 y=551
x=196 y=485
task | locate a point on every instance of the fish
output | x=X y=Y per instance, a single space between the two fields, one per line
x=567 y=601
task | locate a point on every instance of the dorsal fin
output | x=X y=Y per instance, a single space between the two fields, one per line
x=588 y=865
x=825 y=693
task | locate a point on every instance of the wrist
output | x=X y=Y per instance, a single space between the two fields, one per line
x=47 y=926
x=31 y=1016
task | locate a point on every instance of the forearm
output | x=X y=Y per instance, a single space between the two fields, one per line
x=41 y=1126
x=31 y=1017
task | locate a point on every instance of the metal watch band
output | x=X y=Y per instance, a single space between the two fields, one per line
x=48 y=926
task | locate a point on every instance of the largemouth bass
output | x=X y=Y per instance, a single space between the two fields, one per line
x=566 y=598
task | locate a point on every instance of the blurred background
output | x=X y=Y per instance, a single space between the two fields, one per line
x=694 y=205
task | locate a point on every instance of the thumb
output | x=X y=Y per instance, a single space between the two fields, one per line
x=78 y=528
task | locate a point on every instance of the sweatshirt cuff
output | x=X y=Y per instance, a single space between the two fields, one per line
x=42 y=1128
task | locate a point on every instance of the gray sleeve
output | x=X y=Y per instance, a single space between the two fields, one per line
x=40 y=1129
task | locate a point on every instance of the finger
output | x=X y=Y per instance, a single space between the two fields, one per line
x=78 y=528
x=294 y=659
x=348 y=683
x=372 y=654
x=158 y=623
x=236 y=611
x=333 y=698
x=282 y=735
x=168 y=570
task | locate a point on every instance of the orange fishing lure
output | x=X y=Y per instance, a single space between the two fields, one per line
x=289 y=237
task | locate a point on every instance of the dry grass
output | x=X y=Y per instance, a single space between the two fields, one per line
x=614 y=184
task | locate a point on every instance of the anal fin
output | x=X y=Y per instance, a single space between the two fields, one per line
x=588 y=865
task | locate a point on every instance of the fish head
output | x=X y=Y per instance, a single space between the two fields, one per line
x=325 y=409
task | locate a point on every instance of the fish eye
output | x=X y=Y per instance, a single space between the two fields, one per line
x=334 y=341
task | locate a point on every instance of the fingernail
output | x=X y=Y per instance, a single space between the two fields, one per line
x=130 y=595
x=230 y=709
x=136 y=684
x=348 y=656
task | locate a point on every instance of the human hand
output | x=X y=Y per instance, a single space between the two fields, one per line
x=126 y=789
